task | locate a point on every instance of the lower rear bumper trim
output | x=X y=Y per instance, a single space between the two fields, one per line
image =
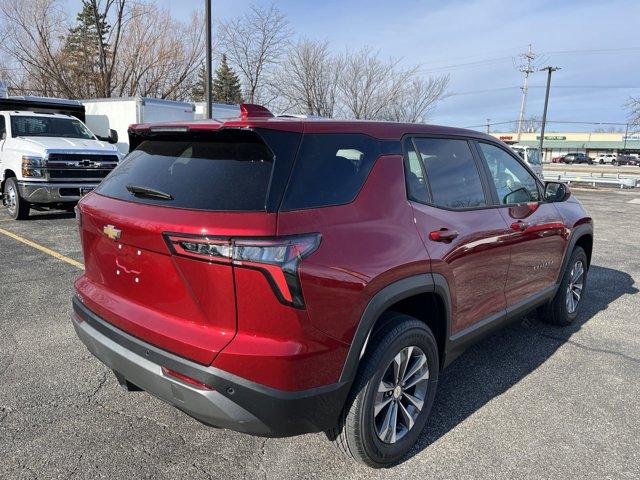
x=234 y=403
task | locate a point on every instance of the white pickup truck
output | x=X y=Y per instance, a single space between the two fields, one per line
x=49 y=160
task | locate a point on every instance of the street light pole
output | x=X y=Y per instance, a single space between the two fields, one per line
x=208 y=93
x=549 y=70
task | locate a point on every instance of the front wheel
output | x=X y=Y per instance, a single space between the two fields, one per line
x=563 y=309
x=17 y=207
x=392 y=394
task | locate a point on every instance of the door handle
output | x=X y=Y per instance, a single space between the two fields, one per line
x=443 y=235
x=519 y=225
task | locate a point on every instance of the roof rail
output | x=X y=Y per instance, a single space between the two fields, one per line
x=250 y=110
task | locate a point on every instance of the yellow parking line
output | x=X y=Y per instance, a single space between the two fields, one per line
x=39 y=247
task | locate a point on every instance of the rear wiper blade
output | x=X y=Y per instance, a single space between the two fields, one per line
x=139 y=191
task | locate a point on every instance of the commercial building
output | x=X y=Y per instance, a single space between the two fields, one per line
x=590 y=143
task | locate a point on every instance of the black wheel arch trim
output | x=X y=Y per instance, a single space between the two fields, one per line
x=381 y=301
x=576 y=234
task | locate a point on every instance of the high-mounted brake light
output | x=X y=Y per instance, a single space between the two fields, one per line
x=278 y=258
x=250 y=110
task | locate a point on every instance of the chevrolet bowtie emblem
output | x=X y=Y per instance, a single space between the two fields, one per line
x=112 y=232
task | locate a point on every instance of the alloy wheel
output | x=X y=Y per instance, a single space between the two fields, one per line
x=401 y=394
x=10 y=200
x=575 y=286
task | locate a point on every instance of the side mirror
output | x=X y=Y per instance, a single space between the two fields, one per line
x=113 y=136
x=556 y=192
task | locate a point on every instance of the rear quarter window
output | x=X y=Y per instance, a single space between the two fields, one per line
x=330 y=169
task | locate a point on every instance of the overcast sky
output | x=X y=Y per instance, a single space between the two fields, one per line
x=596 y=43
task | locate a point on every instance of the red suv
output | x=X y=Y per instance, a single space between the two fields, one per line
x=278 y=276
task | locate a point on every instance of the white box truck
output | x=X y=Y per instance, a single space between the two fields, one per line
x=117 y=114
x=220 y=111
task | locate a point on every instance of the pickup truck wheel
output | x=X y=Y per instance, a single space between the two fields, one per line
x=17 y=207
x=563 y=309
x=392 y=394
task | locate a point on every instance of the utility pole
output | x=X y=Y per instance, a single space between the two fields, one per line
x=526 y=68
x=208 y=93
x=549 y=70
x=488 y=125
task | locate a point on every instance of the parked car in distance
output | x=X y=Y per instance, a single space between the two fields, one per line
x=278 y=276
x=626 y=160
x=531 y=156
x=576 y=157
x=557 y=159
x=606 y=158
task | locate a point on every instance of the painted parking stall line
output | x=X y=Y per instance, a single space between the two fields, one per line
x=42 y=249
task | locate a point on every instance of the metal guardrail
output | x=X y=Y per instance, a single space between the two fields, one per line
x=595 y=179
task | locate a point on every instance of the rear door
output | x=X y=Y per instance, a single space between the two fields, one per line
x=537 y=232
x=463 y=234
x=144 y=268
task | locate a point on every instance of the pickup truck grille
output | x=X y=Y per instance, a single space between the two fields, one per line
x=79 y=166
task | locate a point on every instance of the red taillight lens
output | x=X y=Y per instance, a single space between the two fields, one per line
x=167 y=372
x=278 y=258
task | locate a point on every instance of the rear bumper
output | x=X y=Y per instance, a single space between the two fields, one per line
x=233 y=402
x=47 y=192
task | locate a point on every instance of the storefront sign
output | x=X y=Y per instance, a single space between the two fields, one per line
x=552 y=137
x=506 y=137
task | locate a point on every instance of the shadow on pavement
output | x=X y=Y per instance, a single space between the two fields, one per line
x=497 y=363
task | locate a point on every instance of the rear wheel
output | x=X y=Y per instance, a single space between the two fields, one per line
x=563 y=309
x=17 y=207
x=392 y=394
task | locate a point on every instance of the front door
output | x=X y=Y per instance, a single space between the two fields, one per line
x=464 y=236
x=538 y=234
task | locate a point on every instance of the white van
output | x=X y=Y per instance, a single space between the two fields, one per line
x=531 y=155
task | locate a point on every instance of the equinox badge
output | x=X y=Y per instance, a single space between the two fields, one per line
x=112 y=232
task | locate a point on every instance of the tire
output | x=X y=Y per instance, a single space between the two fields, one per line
x=601 y=162
x=17 y=207
x=360 y=434
x=559 y=311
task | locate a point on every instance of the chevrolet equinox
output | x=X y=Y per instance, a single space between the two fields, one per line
x=278 y=276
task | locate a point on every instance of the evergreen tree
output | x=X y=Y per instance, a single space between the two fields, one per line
x=225 y=87
x=198 y=92
x=81 y=52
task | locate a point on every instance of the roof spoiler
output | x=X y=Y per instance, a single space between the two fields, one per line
x=250 y=110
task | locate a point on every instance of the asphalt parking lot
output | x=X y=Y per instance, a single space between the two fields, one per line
x=530 y=401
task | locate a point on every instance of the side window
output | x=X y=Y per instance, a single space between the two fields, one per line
x=513 y=182
x=416 y=184
x=3 y=128
x=330 y=170
x=452 y=173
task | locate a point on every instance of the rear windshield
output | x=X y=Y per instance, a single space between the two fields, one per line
x=228 y=171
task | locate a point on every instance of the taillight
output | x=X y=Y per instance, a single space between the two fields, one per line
x=167 y=372
x=277 y=258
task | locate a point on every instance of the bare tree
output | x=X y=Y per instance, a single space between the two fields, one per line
x=32 y=30
x=135 y=49
x=633 y=106
x=308 y=79
x=375 y=89
x=160 y=56
x=418 y=98
x=255 y=43
x=529 y=125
